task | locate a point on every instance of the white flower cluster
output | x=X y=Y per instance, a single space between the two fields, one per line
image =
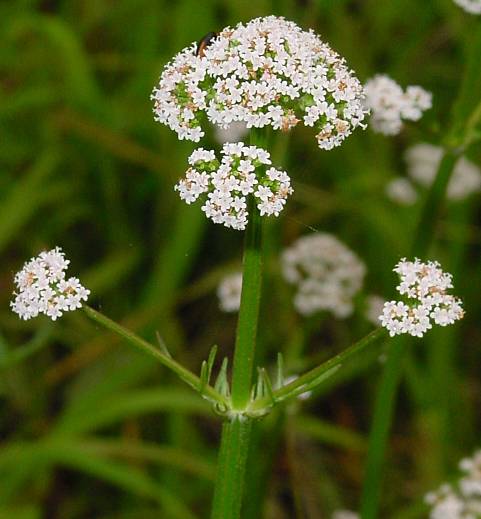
x=43 y=288
x=471 y=6
x=326 y=273
x=423 y=161
x=229 y=292
x=461 y=500
x=268 y=72
x=225 y=186
x=390 y=105
x=427 y=284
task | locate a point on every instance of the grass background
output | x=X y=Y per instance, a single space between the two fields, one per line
x=90 y=428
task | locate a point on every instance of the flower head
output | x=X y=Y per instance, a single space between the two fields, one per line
x=229 y=292
x=43 y=288
x=462 y=499
x=425 y=285
x=390 y=105
x=268 y=72
x=326 y=273
x=470 y=6
x=224 y=186
x=423 y=161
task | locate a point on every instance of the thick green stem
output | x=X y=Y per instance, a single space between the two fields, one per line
x=231 y=468
x=236 y=432
x=248 y=313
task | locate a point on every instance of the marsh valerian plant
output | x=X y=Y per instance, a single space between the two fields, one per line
x=268 y=75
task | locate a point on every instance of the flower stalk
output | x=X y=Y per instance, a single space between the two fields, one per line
x=248 y=314
x=236 y=431
x=160 y=355
x=231 y=468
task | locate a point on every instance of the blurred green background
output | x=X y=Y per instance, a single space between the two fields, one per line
x=89 y=428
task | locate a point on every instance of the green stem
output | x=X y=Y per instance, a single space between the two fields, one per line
x=433 y=203
x=383 y=412
x=318 y=374
x=248 y=313
x=187 y=376
x=231 y=468
x=237 y=431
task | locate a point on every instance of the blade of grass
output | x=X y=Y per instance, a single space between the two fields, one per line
x=133 y=403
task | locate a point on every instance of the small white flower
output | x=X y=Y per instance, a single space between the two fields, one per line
x=267 y=72
x=326 y=273
x=425 y=284
x=224 y=186
x=470 y=6
x=423 y=161
x=43 y=289
x=389 y=105
x=229 y=292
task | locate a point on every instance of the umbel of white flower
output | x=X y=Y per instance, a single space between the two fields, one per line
x=325 y=272
x=424 y=286
x=229 y=292
x=268 y=72
x=471 y=6
x=423 y=161
x=42 y=288
x=224 y=185
x=461 y=499
x=390 y=105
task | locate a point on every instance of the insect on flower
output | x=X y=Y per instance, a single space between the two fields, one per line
x=205 y=42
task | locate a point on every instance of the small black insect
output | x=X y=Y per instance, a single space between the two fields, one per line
x=205 y=42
